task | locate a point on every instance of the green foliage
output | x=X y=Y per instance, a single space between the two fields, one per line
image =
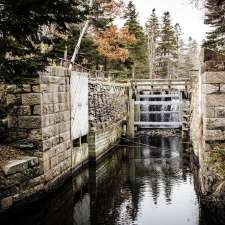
x=217 y=158
x=21 y=33
x=152 y=26
x=167 y=44
x=215 y=17
x=138 y=51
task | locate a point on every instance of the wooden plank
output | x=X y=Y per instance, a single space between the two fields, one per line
x=160 y=96
x=159 y=112
x=141 y=123
x=162 y=80
x=154 y=102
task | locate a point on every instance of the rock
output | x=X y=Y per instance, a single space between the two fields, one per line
x=25 y=145
x=6 y=202
x=15 y=166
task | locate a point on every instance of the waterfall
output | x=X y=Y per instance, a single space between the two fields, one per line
x=159 y=109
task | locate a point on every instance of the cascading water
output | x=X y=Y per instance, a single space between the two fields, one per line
x=159 y=109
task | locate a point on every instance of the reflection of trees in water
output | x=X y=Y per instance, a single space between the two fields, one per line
x=162 y=167
x=119 y=185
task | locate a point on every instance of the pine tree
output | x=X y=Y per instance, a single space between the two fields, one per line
x=137 y=52
x=152 y=30
x=178 y=36
x=167 y=45
x=178 y=64
x=21 y=33
x=215 y=17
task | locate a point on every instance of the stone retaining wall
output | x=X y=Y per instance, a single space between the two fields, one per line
x=108 y=107
x=107 y=104
x=208 y=123
x=39 y=125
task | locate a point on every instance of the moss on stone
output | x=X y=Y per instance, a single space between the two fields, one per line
x=217 y=158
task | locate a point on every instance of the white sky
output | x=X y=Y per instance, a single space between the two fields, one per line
x=190 y=18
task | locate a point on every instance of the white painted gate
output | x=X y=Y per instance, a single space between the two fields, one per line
x=79 y=104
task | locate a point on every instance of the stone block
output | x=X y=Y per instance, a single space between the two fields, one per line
x=64 y=137
x=29 y=122
x=210 y=88
x=37 y=110
x=53 y=161
x=214 y=77
x=31 y=99
x=35 y=134
x=23 y=88
x=214 y=66
x=214 y=123
x=48 y=132
x=11 y=89
x=220 y=112
x=215 y=100
x=20 y=165
x=36 y=88
x=47 y=144
x=48 y=98
x=48 y=120
x=6 y=202
x=213 y=135
x=11 y=99
x=48 y=108
x=44 y=88
x=21 y=110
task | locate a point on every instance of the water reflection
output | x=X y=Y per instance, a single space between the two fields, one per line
x=141 y=183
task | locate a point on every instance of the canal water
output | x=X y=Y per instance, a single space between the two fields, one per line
x=147 y=181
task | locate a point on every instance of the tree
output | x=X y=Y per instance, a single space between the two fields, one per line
x=192 y=54
x=112 y=43
x=215 y=10
x=167 y=45
x=178 y=36
x=103 y=11
x=21 y=34
x=152 y=29
x=137 y=52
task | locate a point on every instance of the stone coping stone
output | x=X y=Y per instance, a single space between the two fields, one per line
x=19 y=165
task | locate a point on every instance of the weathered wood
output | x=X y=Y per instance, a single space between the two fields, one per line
x=154 y=102
x=160 y=96
x=160 y=124
x=159 y=112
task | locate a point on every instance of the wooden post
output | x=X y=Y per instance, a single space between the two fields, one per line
x=130 y=128
x=181 y=107
x=130 y=131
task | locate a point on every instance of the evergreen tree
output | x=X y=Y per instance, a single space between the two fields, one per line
x=137 y=52
x=21 y=33
x=167 y=49
x=215 y=17
x=152 y=30
x=178 y=36
x=167 y=44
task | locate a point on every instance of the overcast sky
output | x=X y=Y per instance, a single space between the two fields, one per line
x=190 y=18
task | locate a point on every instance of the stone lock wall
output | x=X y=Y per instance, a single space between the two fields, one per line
x=39 y=130
x=208 y=122
x=108 y=107
x=212 y=97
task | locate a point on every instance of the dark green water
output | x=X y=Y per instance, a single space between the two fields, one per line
x=137 y=184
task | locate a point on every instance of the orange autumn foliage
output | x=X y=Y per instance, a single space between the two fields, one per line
x=113 y=42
